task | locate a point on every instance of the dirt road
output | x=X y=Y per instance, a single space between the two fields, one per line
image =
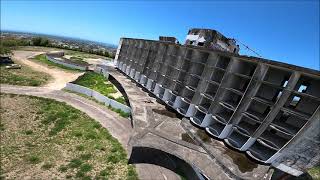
x=60 y=77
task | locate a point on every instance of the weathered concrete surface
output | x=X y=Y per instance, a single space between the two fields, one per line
x=158 y=128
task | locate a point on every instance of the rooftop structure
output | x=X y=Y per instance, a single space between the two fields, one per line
x=211 y=39
x=266 y=109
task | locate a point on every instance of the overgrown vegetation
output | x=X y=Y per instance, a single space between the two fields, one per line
x=315 y=172
x=23 y=77
x=65 y=143
x=43 y=59
x=99 y=83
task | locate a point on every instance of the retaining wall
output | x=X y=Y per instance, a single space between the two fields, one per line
x=97 y=96
x=73 y=66
x=258 y=106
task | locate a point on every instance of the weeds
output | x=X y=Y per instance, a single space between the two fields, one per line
x=62 y=137
x=33 y=159
x=23 y=77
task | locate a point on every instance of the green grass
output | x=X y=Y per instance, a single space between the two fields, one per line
x=23 y=77
x=315 y=172
x=96 y=82
x=99 y=83
x=64 y=142
x=43 y=59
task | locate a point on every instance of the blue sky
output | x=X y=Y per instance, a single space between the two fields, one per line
x=286 y=31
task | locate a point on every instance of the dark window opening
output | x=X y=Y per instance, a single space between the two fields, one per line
x=200 y=43
x=276 y=98
x=266 y=111
x=273 y=131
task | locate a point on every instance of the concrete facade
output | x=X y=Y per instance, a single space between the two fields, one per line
x=263 y=108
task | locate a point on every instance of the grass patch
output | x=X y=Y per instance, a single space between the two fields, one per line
x=33 y=159
x=99 y=83
x=96 y=82
x=315 y=172
x=23 y=77
x=28 y=132
x=80 y=148
x=61 y=154
x=74 y=163
x=43 y=59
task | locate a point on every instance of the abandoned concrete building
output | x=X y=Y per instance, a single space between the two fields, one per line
x=266 y=109
x=211 y=39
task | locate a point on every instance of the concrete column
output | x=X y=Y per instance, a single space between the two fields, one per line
x=149 y=84
x=118 y=49
x=124 y=68
x=276 y=108
x=132 y=73
x=207 y=120
x=177 y=102
x=143 y=80
x=137 y=77
x=191 y=110
x=225 y=132
x=248 y=144
x=166 y=95
x=128 y=70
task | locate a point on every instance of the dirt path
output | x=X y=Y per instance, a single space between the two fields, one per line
x=60 y=77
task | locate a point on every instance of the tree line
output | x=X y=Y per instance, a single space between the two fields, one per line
x=7 y=44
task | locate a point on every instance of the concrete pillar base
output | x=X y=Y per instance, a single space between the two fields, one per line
x=132 y=73
x=274 y=157
x=143 y=80
x=166 y=95
x=207 y=120
x=128 y=70
x=123 y=68
x=225 y=132
x=137 y=76
x=191 y=110
x=159 y=90
x=149 y=84
x=249 y=143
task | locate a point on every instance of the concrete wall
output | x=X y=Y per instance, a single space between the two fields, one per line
x=73 y=66
x=97 y=96
x=257 y=106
